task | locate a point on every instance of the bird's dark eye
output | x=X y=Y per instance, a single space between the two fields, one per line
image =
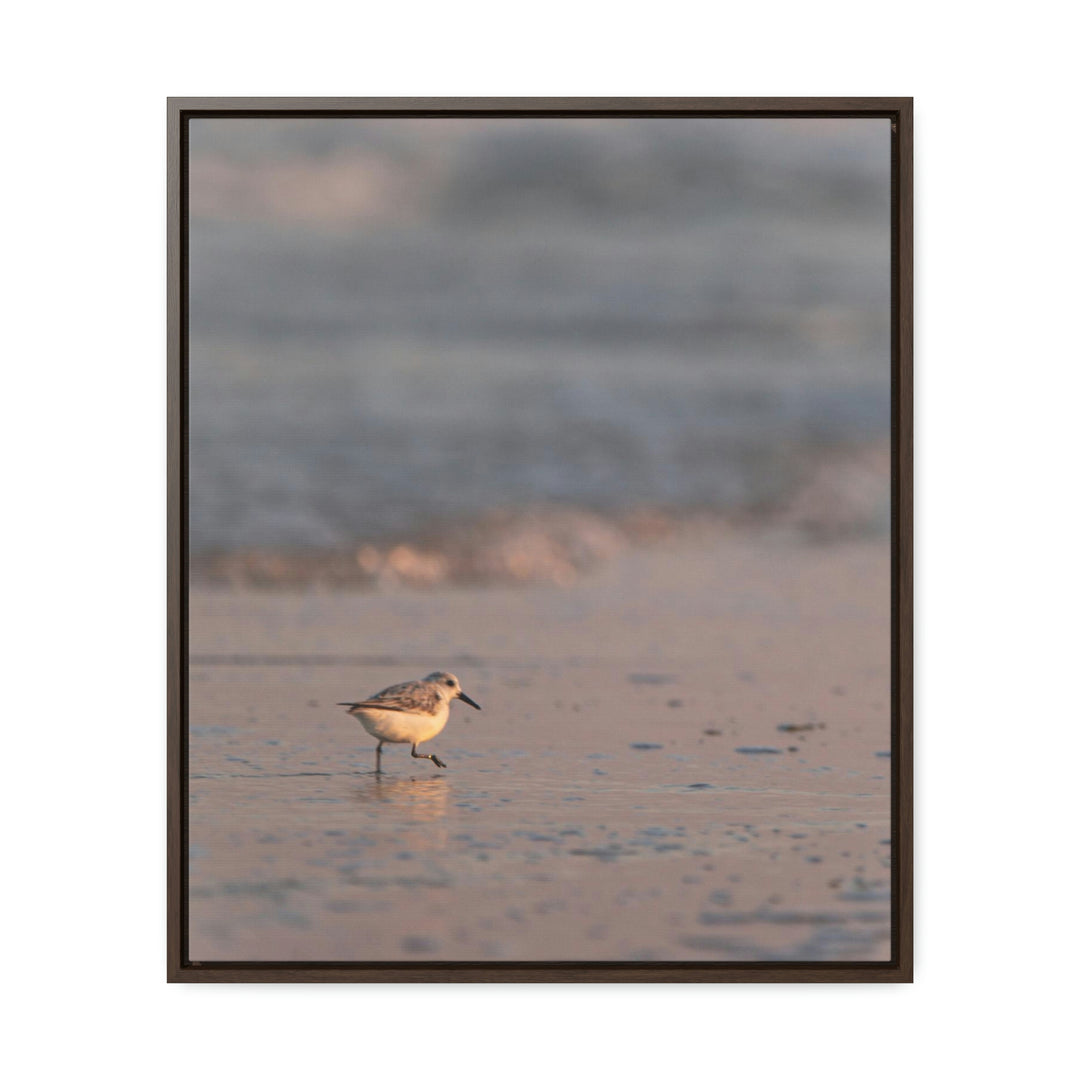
x=449 y=682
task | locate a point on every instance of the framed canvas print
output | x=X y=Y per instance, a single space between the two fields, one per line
x=540 y=539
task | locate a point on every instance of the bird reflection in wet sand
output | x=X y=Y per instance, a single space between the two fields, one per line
x=406 y=799
x=409 y=712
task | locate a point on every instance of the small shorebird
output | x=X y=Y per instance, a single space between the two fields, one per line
x=409 y=712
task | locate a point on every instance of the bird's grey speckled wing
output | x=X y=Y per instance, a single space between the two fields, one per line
x=412 y=697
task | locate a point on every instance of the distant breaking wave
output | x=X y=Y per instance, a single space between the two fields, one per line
x=841 y=497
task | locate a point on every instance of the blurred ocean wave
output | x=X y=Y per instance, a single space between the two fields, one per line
x=396 y=325
x=839 y=496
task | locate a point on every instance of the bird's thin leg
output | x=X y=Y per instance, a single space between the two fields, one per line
x=378 y=757
x=430 y=757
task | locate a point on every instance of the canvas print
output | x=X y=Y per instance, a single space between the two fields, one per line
x=539 y=513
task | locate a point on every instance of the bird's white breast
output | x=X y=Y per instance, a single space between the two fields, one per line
x=392 y=726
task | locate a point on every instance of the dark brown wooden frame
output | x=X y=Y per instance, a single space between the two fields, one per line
x=900 y=967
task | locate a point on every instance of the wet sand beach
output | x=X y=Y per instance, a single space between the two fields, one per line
x=682 y=757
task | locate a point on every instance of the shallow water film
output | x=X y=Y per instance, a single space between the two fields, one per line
x=712 y=785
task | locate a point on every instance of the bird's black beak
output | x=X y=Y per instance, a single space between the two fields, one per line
x=468 y=700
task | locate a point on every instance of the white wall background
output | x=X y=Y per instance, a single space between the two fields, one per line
x=83 y=443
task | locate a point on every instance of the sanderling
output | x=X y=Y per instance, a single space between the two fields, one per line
x=409 y=712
